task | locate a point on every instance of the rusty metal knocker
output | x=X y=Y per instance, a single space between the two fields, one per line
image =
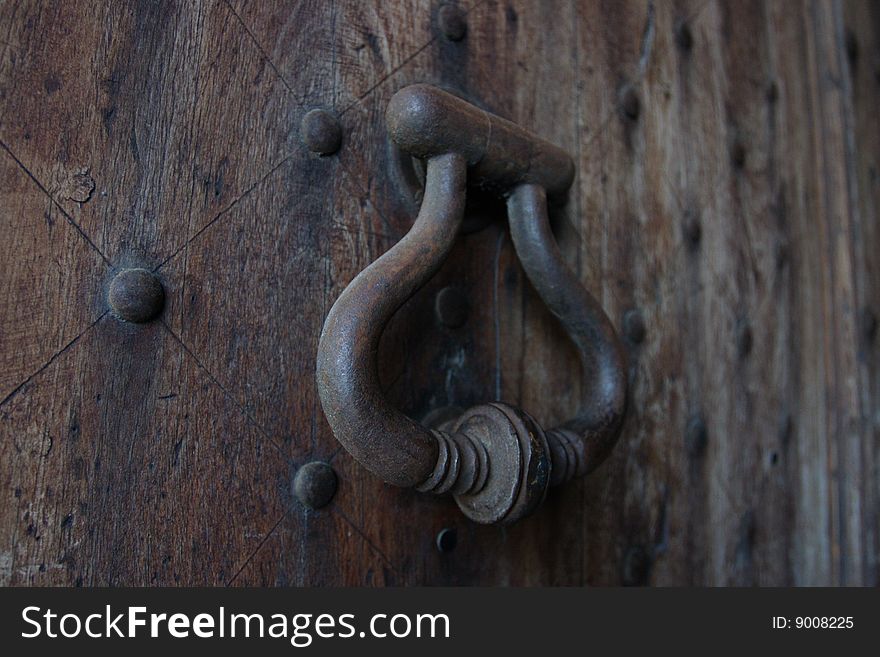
x=495 y=459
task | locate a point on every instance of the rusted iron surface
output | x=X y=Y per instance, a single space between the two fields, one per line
x=425 y=121
x=594 y=431
x=321 y=132
x=387 y=442
x=136 y=295
x=314 y=484
x=494 y=458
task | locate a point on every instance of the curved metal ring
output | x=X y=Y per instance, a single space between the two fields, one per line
x=495 y=459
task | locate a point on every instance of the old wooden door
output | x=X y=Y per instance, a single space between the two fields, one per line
x=724 y=212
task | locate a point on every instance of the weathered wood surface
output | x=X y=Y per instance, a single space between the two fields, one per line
x=734 y=209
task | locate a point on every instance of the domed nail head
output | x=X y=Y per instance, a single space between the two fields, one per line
x=321 y=132
x=136 y=295
x=315 y=484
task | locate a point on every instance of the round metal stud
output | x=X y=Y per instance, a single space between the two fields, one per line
x=852 y=46
x=634 y=326
x=321 y=132
x=869 y=325
x=453 y=23
x=636 y=569
x=315 y=484
x=446 y=540
x=744 y=339
x=683 y=37
x=629 y=103
x=451 y=307
x=696 y=437
x=738 y=153
x=136 y=295
x=691 y=229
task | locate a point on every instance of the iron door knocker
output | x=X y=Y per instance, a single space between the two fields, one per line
x=495 y=459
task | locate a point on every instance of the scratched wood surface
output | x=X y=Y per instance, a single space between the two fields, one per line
x=727 y=197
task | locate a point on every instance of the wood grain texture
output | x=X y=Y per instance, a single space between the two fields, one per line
x=735 y=209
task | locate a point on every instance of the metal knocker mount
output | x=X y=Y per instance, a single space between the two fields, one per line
x=495 y=459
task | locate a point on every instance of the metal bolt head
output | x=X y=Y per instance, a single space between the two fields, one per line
x=636 y=569
x=452 y=21
x=321 y=132
x=781 y=254
x=785 y=430
x=629 y=103
x=519 y=454
x=683 y=37
x=744 y=339
x=696 y=436
x=869 y=325
x=451 y=307
x=136 y=295
x=852 y=46
x=738 y=153
x=692 y=229
x=446 y=540
x=315 y=484
x=634 y=326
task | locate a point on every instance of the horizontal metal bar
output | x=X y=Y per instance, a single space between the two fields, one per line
x=425 y=121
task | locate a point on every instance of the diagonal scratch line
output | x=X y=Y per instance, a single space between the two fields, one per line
x=334 y=454
x=222 y=212
x=51 y=360
x=300 y=101
x=45 y=191
x=259 y=547
x=362 y=232
x=401 y=65
x=387 y=75
x=216 y=382
x=366 y=539
x=348 y=178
